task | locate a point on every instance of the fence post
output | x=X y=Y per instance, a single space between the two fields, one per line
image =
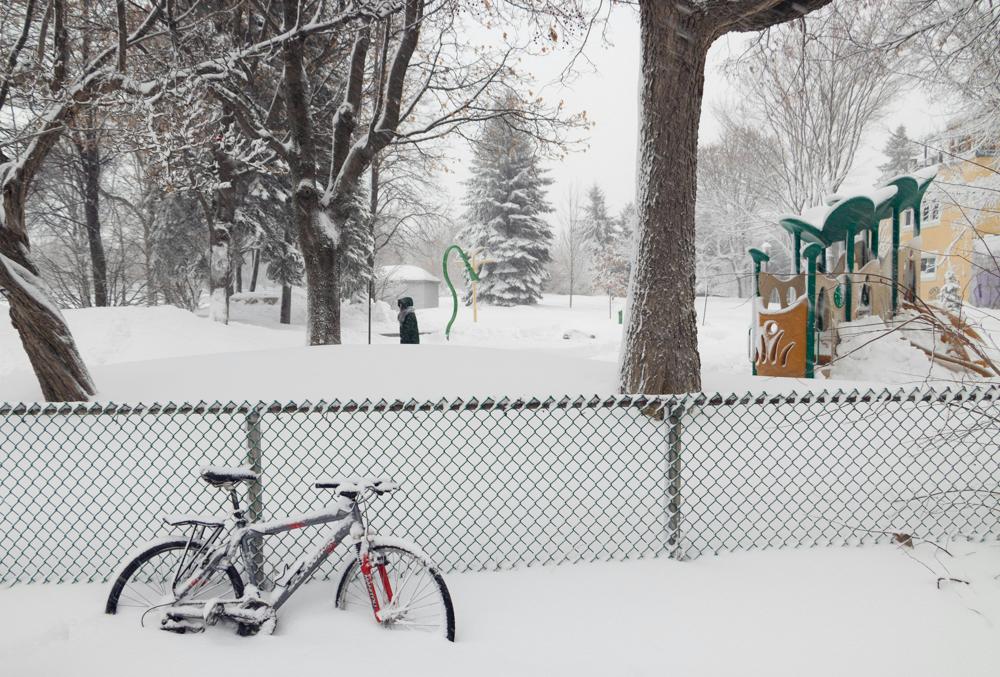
x=673 y=488
x=255 y=492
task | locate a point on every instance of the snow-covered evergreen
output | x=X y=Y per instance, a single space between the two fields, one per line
x=950 y=297
x=899 y=151
x=506 y=201
x=609 y=243
x=599 y=227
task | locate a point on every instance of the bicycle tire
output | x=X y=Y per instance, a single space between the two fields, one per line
x=348 y=596
x=111 y=607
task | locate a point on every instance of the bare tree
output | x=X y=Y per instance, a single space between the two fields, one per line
x=660 y=352
x=950 y=46
x=737 y=202
x=816 y=94
x=571 y=254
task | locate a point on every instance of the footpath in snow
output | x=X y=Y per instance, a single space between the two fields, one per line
x=846 y=611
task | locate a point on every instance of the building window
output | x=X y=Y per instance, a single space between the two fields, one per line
x=908 y=219
x=928 y=267
x=930 y=212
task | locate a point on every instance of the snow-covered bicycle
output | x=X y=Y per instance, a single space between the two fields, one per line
x=189 y=582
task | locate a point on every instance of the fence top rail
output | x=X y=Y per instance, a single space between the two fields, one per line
x=653 y=404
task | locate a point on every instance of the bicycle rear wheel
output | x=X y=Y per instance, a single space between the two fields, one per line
x=409 y=592
x=147 y=581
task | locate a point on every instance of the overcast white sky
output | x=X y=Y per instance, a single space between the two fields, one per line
x=610 y=98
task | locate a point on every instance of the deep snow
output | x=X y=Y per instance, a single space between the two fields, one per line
x=165 y=353
x=855 y=611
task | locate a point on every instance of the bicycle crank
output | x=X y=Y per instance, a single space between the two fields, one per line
x=253 y=617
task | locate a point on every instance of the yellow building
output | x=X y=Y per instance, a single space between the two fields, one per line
x=960 y=214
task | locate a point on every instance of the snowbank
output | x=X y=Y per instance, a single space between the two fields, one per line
x=340 y=372
x=510 y=351
x=111 y=335
x=859 y=611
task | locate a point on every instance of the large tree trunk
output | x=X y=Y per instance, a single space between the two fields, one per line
x=45 y=336
x=317 y=241
x=90 y=165
x=660 y=352
x=322 y=264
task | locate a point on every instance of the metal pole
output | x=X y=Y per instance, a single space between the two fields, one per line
x=255 y=492
x=849 y=243
x=475 y=304
x=895 y=259
x=812 y=252
x=673 y=488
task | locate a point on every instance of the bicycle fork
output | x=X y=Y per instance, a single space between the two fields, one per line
x=366 y=572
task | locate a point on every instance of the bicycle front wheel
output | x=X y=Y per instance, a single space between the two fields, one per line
x=148 y=580
x=409 y=592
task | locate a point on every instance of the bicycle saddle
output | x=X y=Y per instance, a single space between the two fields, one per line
x=219 y=476
x=355 y=485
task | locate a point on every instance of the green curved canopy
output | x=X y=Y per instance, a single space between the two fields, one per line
x=884 y=198
x=906 y=192
x=758 y=256
x=910 y=188
x=806 y=231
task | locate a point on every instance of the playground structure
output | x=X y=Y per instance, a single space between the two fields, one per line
x=473 y=264
x=853 y=270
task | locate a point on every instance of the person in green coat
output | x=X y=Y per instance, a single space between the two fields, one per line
x=408 y=330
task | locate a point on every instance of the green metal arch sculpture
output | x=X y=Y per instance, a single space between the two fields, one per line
x=473 y=276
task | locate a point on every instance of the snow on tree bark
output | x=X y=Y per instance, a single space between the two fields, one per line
x=44 y=333
x=660 y=346
x=46 y=338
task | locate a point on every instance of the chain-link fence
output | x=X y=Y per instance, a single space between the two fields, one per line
x=492 y=484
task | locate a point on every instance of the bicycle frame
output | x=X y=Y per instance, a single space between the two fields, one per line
x=345 y=520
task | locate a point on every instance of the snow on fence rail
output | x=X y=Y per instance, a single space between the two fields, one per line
x=498 y=483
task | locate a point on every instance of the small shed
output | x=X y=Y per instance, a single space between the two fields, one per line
x=397 y=281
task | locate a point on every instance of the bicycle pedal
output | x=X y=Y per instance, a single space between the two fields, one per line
x=181 y=627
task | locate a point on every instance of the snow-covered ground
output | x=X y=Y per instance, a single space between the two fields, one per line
x=878 y=610
x=165 y=353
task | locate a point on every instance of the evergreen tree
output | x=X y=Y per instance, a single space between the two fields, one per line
x=599 y=226
x=355 y=246
x=505 y=201
x=899 y=152
x=609 y=243
x=178 y=240
x=950 y=297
